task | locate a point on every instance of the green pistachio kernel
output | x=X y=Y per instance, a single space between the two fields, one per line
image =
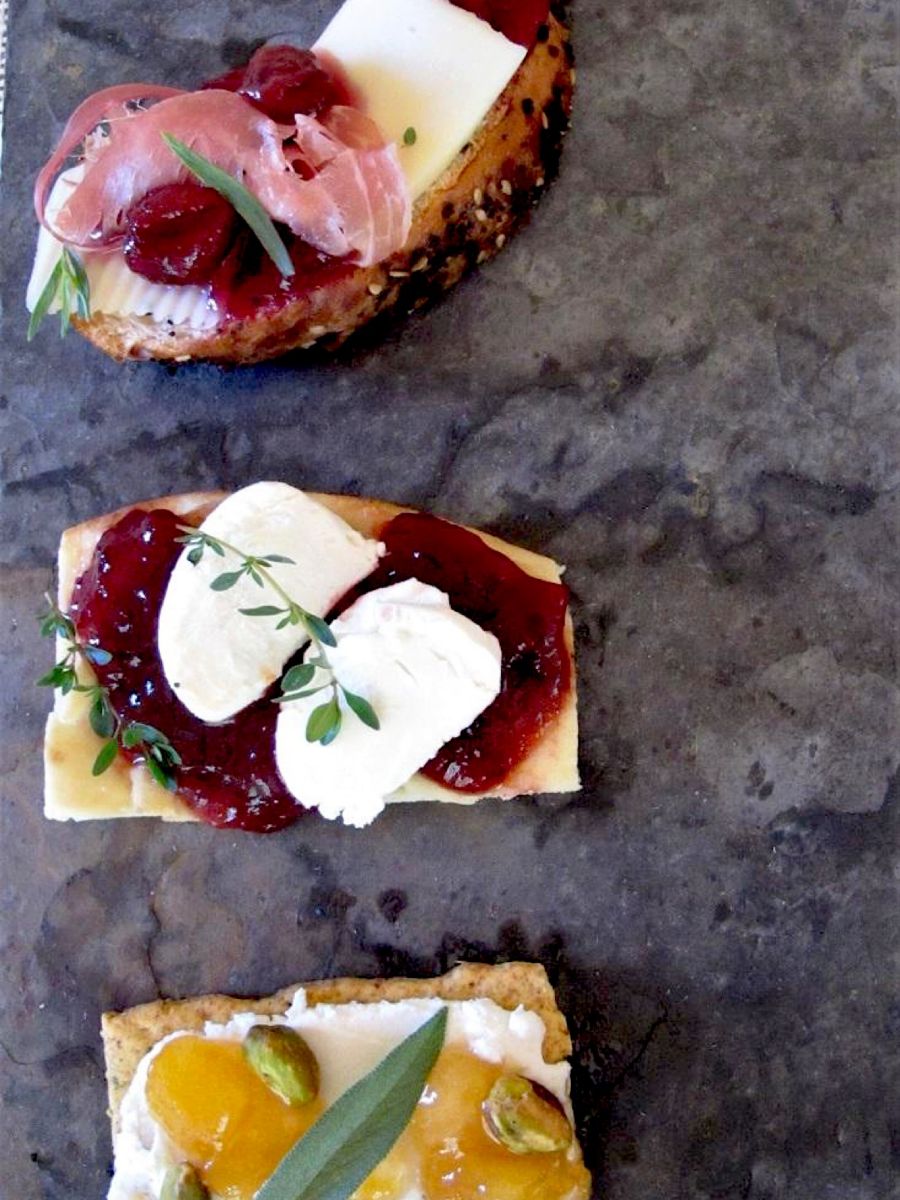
x=284 y=1062
x=525 y=1118
x=183 y=1183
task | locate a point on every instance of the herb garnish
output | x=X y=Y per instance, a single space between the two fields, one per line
x=69 y=283
x=160 y=756
x=409 y=136
x=324 y=722
x=351 y=1138
x=242 y=201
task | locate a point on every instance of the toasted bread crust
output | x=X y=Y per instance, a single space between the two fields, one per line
x=127 y=1036
x=461 y=221
x=70 y=745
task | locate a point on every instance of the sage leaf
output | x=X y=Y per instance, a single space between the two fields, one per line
x=242 y=201
x=351 y=1138
x=362 y=708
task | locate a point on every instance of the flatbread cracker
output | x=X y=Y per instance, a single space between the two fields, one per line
x=71 y=792
x=129 y=1035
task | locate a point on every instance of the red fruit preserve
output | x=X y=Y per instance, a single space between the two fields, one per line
x=526 y=615
x=228 y=774
x=179 y=233
x=519 y=20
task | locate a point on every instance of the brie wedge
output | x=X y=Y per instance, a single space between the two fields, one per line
x=426 y=670
x=217 y=659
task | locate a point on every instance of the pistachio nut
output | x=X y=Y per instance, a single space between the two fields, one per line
x=524 y=1117
x=282 y=1059
x=183 y=1183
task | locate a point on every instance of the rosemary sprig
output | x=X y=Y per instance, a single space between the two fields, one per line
x=69 y=283
x=160 y=756
x=324 y=722
x=240 y=198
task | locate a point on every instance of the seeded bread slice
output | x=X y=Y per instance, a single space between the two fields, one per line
x=461 y=221
x=71 y=792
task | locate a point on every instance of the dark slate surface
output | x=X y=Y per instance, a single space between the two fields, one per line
x=680 y=381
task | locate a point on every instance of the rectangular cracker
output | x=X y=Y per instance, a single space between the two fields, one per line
x=72 y=793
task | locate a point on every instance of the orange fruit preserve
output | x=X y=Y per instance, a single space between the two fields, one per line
x=235 y=1130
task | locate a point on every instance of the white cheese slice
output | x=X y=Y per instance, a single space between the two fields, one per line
x=348 y=1040
x=115 y=288
x=426 y=670
x=218 y=660
x=424 y=65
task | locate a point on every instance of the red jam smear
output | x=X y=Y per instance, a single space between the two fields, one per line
x=248 y=283
x=179 y=233
x=228 y=776
x=282 y=81
x=526 y=615
x=519 y=20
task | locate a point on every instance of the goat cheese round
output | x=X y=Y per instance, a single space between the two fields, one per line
x=348 y=1040
x=217 y=659
x=427 y=671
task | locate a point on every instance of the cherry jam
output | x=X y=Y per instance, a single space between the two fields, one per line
x=519 y=20
x=526 y=615
x=228 y=774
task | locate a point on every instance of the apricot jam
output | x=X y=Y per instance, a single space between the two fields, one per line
x=220 y=1114
x=236 y=1131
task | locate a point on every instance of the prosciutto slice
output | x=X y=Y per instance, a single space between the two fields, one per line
x=350 y=199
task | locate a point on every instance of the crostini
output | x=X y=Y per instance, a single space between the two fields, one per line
x=292 y=200
x=245 y=659
x=215 y=1091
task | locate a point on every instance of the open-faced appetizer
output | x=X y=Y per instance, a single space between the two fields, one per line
x=291 y=200
x=242 y=659
x=209 y=1095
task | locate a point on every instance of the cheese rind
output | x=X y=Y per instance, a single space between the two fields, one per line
x=424 y=65
x=348 y=1040
x=426 y=670
x=115 y=288
x=217 y=659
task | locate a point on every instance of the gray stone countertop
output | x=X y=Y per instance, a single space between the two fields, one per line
x=680 y=380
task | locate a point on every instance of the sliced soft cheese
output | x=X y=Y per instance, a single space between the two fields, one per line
x=219 y=660
x=115 y=288
x=348 y=1040
x=426 y=670
x=424 y=65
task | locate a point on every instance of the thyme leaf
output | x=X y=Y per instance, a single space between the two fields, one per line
x=159 y=755
x=324 y=722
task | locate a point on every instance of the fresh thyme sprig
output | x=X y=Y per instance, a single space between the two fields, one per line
x=160 y=756
x=324 y=722
x=69 y=282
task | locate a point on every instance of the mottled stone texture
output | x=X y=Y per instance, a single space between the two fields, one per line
x=680 y=380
